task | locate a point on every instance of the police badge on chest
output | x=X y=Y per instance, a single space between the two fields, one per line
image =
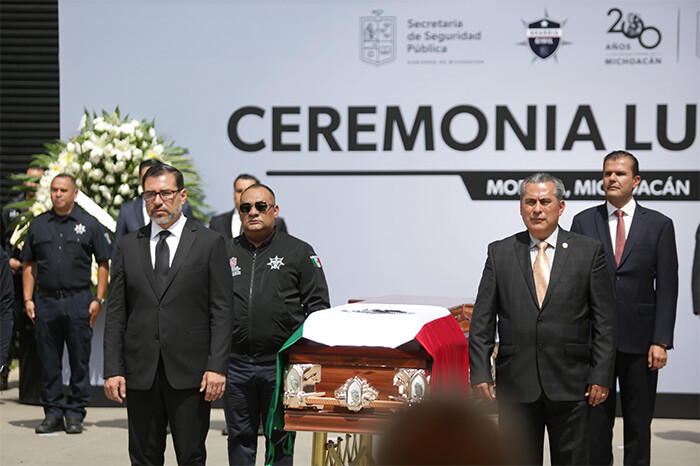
x=235 y=269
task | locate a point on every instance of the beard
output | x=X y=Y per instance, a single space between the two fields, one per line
x=172 y=215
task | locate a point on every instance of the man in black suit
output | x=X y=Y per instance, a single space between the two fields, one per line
x=640 y=246
x=545 y=368
x=229 y=223
x=168 y=327
x=132 y=215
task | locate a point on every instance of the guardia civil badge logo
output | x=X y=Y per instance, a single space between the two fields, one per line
x=544 y=36
x=79 y=229
x=377 y=38
x=275 y=263
x=235 y=269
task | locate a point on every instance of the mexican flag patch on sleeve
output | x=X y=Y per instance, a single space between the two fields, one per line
x=316 y=261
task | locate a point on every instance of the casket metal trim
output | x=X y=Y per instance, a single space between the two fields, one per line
x=300 y=383
x=356 y=393
x=413 y=385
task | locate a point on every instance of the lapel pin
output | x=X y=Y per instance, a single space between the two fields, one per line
x=564 y=245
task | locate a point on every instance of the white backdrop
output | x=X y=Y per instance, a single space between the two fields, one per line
x=590 y=90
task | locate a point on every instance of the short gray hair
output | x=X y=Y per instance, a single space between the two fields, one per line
x=544 y=178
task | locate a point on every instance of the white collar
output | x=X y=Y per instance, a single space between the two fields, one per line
x=551 y=240
x=627 y=209
x=175 y=229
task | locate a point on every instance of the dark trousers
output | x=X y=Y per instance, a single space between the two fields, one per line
x=29 y=361
x=150 y=411
x=249 y=391
x=58 y=322
x=567 y=428
x=637 y=397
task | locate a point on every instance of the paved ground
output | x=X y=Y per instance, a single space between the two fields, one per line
x=104 y=441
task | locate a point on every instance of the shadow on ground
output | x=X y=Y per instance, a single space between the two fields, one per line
x=32 y=423
x=120 y=423
x=682 y=435
x=27 y=424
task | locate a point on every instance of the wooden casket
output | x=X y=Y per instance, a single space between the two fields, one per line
x=355 y=388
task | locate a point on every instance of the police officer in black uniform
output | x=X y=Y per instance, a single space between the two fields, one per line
x=57 y=258
x=23 y=343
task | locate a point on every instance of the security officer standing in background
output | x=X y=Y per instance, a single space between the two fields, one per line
x=23 y=344
x=57 y=258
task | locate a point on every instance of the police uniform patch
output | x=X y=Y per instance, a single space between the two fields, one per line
x=316 y=261
x=235 y=269
x=275 y=262
x=79 y=229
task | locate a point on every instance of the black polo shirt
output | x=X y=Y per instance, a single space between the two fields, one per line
x=63 y=248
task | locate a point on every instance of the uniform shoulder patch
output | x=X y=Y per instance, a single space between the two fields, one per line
x=316 y=261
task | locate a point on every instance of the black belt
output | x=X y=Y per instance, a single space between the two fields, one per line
x=63 y=293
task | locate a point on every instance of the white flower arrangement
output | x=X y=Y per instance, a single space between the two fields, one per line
x=104 y=158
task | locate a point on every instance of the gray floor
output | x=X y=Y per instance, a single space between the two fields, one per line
x=104 y=441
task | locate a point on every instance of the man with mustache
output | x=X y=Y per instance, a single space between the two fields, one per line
x=168 y=328
x=229 y=223
x=640 y=249
x=550 y=293
x=133 y=214
x=278 y=281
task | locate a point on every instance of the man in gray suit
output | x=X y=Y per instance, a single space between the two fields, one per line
x=168 y=329
x=550 y=292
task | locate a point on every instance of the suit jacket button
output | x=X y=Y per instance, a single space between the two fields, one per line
x=160 y=308
x=539 y=346
x=157 y=337
x=617 y=277
x=539 y=321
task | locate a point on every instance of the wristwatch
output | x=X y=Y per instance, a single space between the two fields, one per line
x=99 y=300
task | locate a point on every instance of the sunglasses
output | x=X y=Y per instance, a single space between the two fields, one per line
x=260 y=206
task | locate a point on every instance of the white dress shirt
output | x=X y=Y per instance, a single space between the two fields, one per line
x=551 y=246
x=173 y=239
x=235 y=224
x=627 y=214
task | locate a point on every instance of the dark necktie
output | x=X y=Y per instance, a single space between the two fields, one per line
x=619 y=237
x=162 y=260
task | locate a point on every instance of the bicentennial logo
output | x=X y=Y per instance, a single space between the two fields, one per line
x=633 y=27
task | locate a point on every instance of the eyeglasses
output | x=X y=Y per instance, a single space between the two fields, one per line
x=165 y=195
x=260 y=206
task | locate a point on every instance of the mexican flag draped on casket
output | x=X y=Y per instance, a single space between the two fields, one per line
x=388 y=326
